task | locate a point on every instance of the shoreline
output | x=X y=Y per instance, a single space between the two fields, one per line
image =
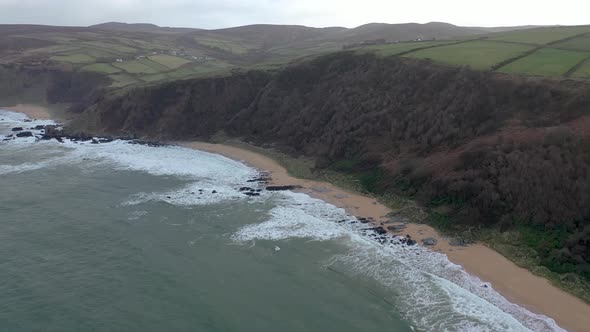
x=34 y=112
x=516 y=284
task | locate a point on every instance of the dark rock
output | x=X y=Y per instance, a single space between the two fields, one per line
x=251 y=194
x=430 y=241
x=94 y=141
x=25 y=134
x=214 y=192
x=364 y=220
x=17 y=129
x=39 y=127
x=53 y=131
x=28 y=120
x=396 y=228
x=148 y=143
x=282 y=188
x=246 y=189
x=410 y=242
x=380 y=230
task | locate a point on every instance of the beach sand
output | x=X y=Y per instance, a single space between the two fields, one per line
x=518 y=285
x=32 y=111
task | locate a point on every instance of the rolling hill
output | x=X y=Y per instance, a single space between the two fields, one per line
x=546 y=51
x=132 y=54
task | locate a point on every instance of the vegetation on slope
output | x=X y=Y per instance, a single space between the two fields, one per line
x=551 y=51
x=482 y=153
x=145 y=53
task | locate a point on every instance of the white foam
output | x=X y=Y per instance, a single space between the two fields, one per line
x=9 y=120
x=433 y=293
x=202 y=192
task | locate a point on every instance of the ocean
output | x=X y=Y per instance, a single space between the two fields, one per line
x=127 y=237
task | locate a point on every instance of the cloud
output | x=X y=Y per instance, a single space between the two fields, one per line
x=223 y=13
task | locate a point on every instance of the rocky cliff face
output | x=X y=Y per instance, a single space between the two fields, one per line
x=20 y=84
x=491 y=149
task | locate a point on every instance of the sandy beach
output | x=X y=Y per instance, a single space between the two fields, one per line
x=32 y=111
x=516 y=284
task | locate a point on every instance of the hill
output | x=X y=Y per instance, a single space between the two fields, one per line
x=134 y=54
x=546 y=51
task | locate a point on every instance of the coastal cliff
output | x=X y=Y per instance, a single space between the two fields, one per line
x=479 y=149
x=47 y=85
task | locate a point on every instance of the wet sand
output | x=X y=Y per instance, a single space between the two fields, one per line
x=32 y=111
x=518 y=285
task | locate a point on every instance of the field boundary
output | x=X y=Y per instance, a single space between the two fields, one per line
x=434 y=46
x=576 y=67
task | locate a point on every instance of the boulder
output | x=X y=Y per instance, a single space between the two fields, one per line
x=396 y=228
x=25 y=134
x=17 y=129
x=282 y=188
x=429 y=241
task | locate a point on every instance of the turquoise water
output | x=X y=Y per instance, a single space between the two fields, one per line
x=122 y=237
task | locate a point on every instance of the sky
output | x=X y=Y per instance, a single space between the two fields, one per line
x=210 y=14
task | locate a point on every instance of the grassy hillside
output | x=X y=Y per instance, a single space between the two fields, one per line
x=134 y=54
x=547 y=51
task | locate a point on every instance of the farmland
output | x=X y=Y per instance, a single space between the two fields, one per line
x=547 y=62
x=132 y=58
x=550 y=51
x=477 y=54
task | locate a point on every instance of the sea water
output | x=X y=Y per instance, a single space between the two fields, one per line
x=125 y=237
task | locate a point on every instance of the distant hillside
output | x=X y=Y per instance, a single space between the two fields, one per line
x=136 y=54
x=557 y=51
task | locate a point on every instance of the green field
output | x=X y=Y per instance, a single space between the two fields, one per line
x=171 y=62
x=110 y=46
x=547 y=62
x=579 y=44
x=121 y=80
x=101 y=68
x=541 y=36
x=394 y=49
x=583 y=71
x=476 y=54
x=74 y=58
x=147 y=57
x=135 y=67
x=226 y=45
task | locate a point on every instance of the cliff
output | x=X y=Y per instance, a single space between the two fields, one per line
x=477 y=147
x=45 y=85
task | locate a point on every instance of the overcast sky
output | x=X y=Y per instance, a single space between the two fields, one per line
x=317 y=13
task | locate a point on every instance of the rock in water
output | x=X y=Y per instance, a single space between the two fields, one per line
x=25 y=134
